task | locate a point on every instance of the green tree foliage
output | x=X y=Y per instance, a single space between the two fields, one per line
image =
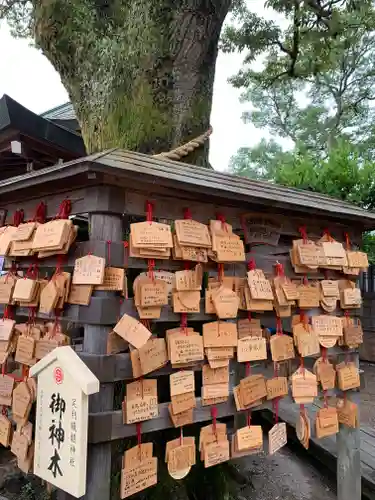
x=313 y=95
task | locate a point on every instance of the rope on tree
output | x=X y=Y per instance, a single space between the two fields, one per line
x=184 y=150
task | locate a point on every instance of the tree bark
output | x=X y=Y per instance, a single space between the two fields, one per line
x=139 y=72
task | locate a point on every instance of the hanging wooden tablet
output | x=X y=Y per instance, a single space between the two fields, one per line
x=141 y=401
x=180 y=460
x=326 y=423
x=251 y=349
x=216 y=453
x=249 y=438
x=139 y=478
x=253 y=388
x=132 y=331
x=348 y=376
x=7 y=284
x=303 y=429
x=277 y=438
x=19 y=446
x=52 y=235
x=326 y=374
x=309 y=296
x=276 y=387
x=25 y=350
x=192 y=233
x=153 y=293
x=49 y=298
x=24 y=290
x=89 y=270
x=185 y=348
x=347 y=413
x=136 y=455
x=220 y=334
x=182 y=382
x=153 y=355
x=249 y=328
x=281 y=347
x=186 y=302
x=113 y=279
x=226 y=303
x=5 y=431
x=183 y=402
x=21 y=403
x=6 y=329
x=183 y=418
x=80 y=294
x=304 y=386
x=357 y=260
x=259 y=285
x=6 y=390
x=151 y=235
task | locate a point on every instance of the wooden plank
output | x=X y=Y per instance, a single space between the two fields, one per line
x=115 y=367
x=108 y=426
x=88 y=199
x=102 y=227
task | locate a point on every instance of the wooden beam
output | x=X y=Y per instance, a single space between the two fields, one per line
x=109 y=426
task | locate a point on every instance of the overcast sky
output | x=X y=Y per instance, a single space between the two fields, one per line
x=29 y=78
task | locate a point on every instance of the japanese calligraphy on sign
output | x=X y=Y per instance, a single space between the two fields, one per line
x=64 y=384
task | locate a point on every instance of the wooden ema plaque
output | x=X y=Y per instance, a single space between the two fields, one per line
x=154 y=293
x=225 y=302
x=327 y=326
x=326 y=423
x=282 y=347
x=304 y=386
x=151 y=235
x=192 y=234
x=181 y=419
x=153 y=355
x=186 y=348
x=136 y=455
x=277 y=438
x=5 y=431
x=303 y=429
x=186 y=302
x=347 y=376
x=276 y=387
x=141 y=401
x=80 y=294
x=89 y=270
x=183 y=402
x=259 y=285
x=347 y=413
x=114 y=278
x=52 y=235
x=7 y=284
x=220 y=334
x=132 y=331
x=251 y=349
x=139 y=478
x=6 y=390
x=253 y=388
x=182 y=382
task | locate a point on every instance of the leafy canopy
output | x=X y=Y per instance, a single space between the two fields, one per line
x=313 y=92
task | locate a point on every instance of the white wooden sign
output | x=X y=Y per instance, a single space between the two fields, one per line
x=64 y=385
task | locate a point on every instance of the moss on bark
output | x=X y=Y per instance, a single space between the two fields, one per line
x=139 y=73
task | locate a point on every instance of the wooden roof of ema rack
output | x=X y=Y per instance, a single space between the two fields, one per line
x=156 y=175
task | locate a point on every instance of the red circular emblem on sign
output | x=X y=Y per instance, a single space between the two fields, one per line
x=59 y=375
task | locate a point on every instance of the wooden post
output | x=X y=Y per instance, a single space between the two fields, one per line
x=349 y=457
x=107 y=228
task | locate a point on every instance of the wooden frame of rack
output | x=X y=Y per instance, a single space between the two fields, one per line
x=113 y=187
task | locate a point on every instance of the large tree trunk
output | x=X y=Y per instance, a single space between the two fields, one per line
x=139 y=72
